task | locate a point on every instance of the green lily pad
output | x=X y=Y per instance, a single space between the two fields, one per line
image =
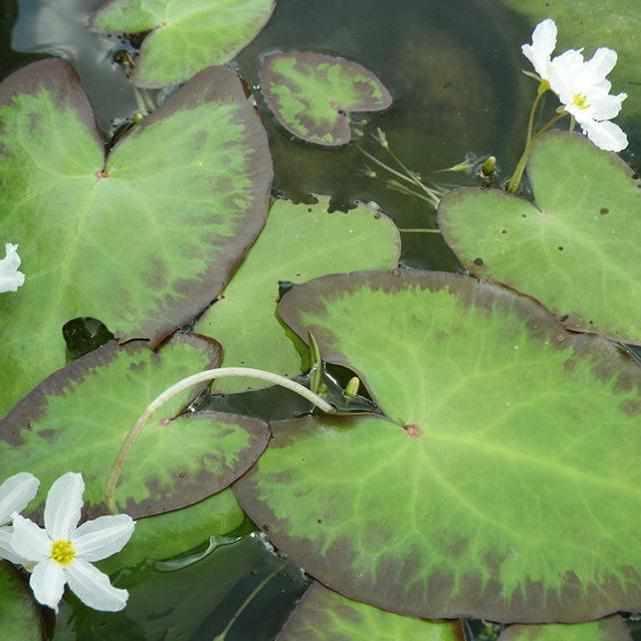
x=20 y=618
x=77 y=419
x=186 y=36
x=299 y=242
x=502 y=483
x=312 y=94
x=584 y=23
x=610 y=629
x=572 y=249
x=143 y=240
x=323 y=615
x=164 y=536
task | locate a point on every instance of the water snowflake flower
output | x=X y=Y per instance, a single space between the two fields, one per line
x=62 y=553
x=539 y=53
x=15 y=493
x=583 y=88
x=10 y=277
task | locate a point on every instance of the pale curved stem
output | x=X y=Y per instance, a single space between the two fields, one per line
x=191 y=381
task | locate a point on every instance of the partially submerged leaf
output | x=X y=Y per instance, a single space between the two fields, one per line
x=164 y=536
x=610 y=629
x=20 y=618
x=186 y=36
x=78 y=417
x=143 y=240
x=504 y=482
x=312 y=94
x=323 y=615
x=299 y=242
x=572 y=249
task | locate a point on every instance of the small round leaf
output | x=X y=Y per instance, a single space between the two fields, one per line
x=610 y=629
x=312 y=94
x=20 y=618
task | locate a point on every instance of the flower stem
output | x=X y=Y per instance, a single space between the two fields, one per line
x=515 y=181
x=551 y=123
x=186 y=383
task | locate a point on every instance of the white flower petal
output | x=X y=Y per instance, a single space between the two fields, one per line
x=48 y=583
x=10 y=277
x=543 y=44
x=606 y=135
x=93 y=587
x=600 y=65
x=64 y=504
x=15 y=493
x=6 y=550
x=565 y=73
x=102 y=537
x=606 y=107
x=29 y=541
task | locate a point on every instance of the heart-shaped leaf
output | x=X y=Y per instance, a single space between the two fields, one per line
x=299 y=242
x=312 y=94
x=572 y=249
x=164 y=536
x=503 y=482
x=20 y=618
x=143 y=240
x=77 y=419
x=323 y=615
x=610 y=629
x=187 y=36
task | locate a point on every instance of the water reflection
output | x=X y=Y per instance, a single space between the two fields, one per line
x=62 y=28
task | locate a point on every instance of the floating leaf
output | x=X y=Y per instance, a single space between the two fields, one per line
x=572 y=249
x=78 y=417
x=299 y=242
x=586 y=24
x=312 y=94
x=142 y=241
x=504 y=482
x=164 y=536
x=323 y=615
x=187 y=36
x=19 y=615
x=610 y=629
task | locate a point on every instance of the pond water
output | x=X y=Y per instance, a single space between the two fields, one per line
x=454 y=69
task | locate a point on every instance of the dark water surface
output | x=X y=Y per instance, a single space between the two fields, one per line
x=453 y=68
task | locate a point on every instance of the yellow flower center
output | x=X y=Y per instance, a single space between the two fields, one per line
x=63 y=552
x=580 y=101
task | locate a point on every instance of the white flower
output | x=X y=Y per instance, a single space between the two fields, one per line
x=63 y=552
x=584 y=90
x=10 y=277
x=540 y=51
x=15 y=493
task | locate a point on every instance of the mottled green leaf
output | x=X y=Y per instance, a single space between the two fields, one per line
x=503 y=482
x=312 y=94
x=588 y=24
x=299 y=242
x=323 y=615
x=20 y=618
x=143 y=240
x=186 y=36
x=610 y=629
x=77 y=419
x=574 y=249
x=164 y=536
